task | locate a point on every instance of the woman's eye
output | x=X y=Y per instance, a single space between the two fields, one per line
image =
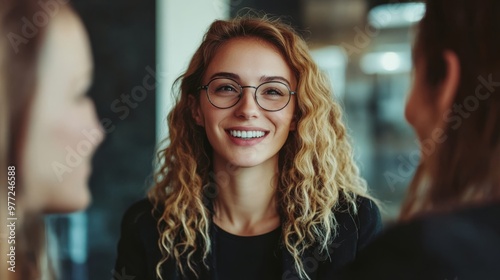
x=226 y=88
x=272 y=92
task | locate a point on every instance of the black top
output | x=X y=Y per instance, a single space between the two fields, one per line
x=457 y=246
x=138 y=251
x=248 y=257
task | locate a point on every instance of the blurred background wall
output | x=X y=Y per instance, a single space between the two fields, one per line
x=140 y=47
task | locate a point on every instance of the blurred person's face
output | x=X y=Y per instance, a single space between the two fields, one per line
x=420 y=111
x=63 y=131
x=429 y=107
x=246 y=135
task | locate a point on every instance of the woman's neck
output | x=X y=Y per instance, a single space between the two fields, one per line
x=245 y=203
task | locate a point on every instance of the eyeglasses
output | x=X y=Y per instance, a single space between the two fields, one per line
x=224 y=93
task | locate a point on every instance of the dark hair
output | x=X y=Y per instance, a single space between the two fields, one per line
x=463 y=170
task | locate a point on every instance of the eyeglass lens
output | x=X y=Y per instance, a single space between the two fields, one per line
x=225 y=93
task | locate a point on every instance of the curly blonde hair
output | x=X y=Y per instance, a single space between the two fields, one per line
x=316 y=165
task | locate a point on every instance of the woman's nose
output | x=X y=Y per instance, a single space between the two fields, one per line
x=247 y=107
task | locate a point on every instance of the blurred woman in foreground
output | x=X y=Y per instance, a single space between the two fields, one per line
x=451 y=218
x=48 y=126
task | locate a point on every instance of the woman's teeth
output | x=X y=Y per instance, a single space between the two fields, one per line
x=246 y=134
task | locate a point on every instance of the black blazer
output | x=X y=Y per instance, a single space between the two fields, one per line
x=138 y=251
x=457 y=246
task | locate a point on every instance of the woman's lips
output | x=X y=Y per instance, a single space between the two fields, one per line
x=247 y=134
x=246 y=137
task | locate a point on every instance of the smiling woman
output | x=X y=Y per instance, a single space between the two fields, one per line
x=258 y=181
x=274 y=121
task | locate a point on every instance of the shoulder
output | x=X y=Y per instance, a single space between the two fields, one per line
x=462 y=244
x=364 y=217
x=476 y=231
x=138 y=211
x=137 y=249
x=364 y=206
x=481 y=216
x=469 y=225
x=357 y=226
x=368 y=212
x=139 y=219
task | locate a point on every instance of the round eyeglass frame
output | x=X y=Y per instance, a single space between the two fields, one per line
x=205 y=87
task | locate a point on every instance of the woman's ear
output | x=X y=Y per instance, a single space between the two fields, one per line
x=196 y=111
x=448 y=86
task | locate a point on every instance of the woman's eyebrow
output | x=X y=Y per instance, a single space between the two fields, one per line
x=274 y=78
x=225 y=75
x=262 y=79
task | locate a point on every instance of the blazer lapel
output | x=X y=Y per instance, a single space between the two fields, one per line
x=288 y=265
